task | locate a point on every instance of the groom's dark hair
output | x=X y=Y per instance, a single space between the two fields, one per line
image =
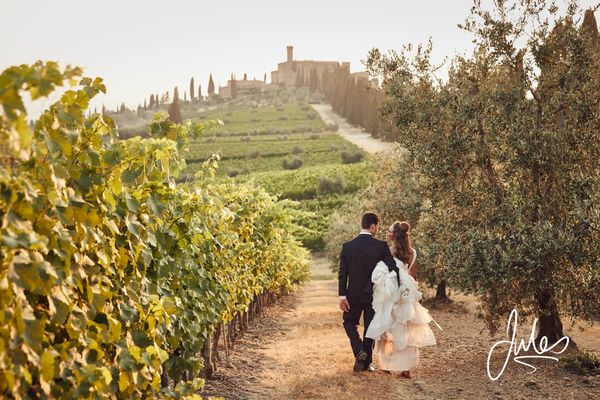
x=369 y=219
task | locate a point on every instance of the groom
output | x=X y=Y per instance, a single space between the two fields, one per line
x=357 y=262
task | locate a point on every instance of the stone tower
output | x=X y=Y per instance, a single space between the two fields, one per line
x=290 y=54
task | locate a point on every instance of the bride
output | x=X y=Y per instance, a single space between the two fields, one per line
x=401 y=323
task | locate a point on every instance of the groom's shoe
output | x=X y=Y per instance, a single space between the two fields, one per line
x=369 y=368
x=359 y=363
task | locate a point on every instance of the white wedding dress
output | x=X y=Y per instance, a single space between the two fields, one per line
x=401 y=324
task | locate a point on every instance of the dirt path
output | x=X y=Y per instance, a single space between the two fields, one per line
x=299 y=351
x=350 y=133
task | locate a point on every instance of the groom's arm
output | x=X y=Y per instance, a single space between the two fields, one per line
x=343 y=282
x=343 y=275
x=388 y=259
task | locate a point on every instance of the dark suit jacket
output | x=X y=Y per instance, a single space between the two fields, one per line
x=357 y=262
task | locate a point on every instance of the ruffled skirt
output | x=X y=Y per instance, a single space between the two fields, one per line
x=398 y=348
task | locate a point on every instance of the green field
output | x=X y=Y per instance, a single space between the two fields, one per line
x=254 y=119
x=259 y=138
x=267 y=153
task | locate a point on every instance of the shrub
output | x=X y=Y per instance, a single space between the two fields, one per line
x=232 y=173
x=311 y=116
x=333 y=127
x=329 y=185
x=283 y=118
x=294 y=163
x=315 y=136
x=333 y=148
x=297 y=150
x=351 y=157
x=582 y=362
x=245 y=139
x=301 y=129
x=254 y=154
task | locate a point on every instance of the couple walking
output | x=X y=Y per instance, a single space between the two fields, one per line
x=378 y=282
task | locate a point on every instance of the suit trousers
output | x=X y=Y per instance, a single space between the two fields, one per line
x=351 y=320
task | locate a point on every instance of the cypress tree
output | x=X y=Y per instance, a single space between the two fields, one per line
x=174 y=110
x=192 y=87
x=324 y=81
x=233 y=87
x=589 y=26
x=199 y=92
x=245 y=77
x=211 y=86
x=313 y=80
x=299 y=78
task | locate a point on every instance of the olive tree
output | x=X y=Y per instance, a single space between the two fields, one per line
x=508 y=145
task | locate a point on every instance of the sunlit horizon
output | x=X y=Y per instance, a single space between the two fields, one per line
x=143 y=48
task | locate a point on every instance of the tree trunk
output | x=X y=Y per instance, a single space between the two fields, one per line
x=245 y=321
x=440 y=292
x=164 y=379
x=550 y=324
x=225 y=341
x=215 y=350
x=231 y=333
x=241 y=323
x=207 y=357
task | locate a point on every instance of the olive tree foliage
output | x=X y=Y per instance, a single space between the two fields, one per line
x=508 y=146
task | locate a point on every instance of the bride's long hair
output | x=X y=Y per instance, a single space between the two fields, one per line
x=402 y=241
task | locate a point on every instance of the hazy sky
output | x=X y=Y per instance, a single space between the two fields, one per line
x=145 y=47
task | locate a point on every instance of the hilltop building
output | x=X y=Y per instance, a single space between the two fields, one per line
x=286 y=71
x=286 y=75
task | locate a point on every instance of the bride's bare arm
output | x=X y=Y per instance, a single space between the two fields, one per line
x=413 y=270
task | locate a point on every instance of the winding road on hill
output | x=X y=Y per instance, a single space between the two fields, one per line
x=351 y=133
